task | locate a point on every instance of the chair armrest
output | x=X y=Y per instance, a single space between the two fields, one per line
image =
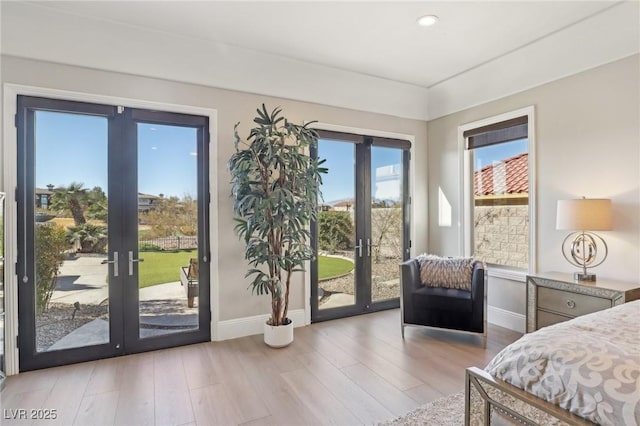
x=409 y=281
x=478 y=310
x=478 y=281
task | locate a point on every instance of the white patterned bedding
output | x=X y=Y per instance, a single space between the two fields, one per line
x=589 y=366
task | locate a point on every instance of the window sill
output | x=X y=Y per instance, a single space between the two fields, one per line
x=507 y=274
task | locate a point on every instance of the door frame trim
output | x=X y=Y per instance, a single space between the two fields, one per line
x=8 y=148
x=412 y=213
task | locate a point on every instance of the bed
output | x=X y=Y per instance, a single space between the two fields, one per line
x=582 y=371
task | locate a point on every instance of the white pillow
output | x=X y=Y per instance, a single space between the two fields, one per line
x=447 y=272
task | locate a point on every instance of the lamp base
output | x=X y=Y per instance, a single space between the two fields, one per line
x=581 y=276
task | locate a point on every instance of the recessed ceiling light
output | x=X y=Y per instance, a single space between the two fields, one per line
x=427 y=20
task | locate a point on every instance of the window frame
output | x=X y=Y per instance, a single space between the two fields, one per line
x=466 y=228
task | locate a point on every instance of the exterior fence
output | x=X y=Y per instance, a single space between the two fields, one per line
x=169 y=243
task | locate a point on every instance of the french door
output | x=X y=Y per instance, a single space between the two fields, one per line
x=112 y=231
x=363 y=225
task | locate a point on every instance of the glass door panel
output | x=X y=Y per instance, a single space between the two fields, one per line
x=337 y=244
x=387 y=223
x=362 y=225
x=168 y=272
x=71 y=236
x=166 y=232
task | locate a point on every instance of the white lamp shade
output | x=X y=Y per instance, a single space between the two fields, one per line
x=584 y=215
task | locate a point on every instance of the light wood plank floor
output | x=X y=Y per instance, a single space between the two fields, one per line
x=350 y=371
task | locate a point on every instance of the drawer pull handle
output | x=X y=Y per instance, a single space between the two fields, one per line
x=571 y=304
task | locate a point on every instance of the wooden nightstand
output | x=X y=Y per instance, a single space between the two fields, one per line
x=554 y=297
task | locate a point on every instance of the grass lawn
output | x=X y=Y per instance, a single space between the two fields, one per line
x=331 y=267
x=161 y=267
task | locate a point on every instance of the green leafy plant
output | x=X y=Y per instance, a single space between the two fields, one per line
x=335 y=230
x=92 y=238
x=80 y=203
x=275 y=188
x=172 y=216
x=73 y=199
x=97 y=205
x=149 y=247
x=50 y=244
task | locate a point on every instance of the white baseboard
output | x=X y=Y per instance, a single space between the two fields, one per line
x=248 y=326
x=506 y=319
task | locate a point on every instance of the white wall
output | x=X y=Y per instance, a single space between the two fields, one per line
x=587 y=143
x=234 y=299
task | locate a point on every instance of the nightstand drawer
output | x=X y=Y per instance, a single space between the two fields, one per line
x=570 y=304
x=554 y=296
x=547 y=318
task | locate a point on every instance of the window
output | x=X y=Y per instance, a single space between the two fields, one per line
x=498 y=191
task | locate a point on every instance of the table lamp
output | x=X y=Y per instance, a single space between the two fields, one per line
x=580 y=248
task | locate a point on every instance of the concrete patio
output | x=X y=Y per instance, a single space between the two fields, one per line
x=83 y=279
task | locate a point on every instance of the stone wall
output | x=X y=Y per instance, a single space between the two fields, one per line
x=502 y=235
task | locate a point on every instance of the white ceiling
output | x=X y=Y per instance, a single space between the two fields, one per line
x=380 y=39
x=370 y=39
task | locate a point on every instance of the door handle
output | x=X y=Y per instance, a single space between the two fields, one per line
x=359 y=247
x=131 y=261
x=114 y=262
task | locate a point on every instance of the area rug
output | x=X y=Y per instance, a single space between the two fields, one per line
x=445 y=411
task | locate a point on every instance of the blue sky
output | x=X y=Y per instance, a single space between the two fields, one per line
x=70 y=148
x=167 y=160
x=486 y=155
x=339 y=183
x=73 y=148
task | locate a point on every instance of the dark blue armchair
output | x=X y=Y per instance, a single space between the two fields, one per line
x=445 y=308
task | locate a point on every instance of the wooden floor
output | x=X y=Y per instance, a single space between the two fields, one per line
x=351 y=371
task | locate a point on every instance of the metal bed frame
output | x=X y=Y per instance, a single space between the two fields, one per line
x=489 y=401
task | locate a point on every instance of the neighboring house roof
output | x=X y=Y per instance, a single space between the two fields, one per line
x=343 y=203
x=152 y=197
x=510 y=176
x=43 y=191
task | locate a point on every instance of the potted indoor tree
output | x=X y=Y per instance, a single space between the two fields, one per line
x=275 y=185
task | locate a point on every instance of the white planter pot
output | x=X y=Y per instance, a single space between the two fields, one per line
x=278 y=337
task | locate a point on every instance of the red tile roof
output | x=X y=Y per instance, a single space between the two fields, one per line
x=510 y=176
